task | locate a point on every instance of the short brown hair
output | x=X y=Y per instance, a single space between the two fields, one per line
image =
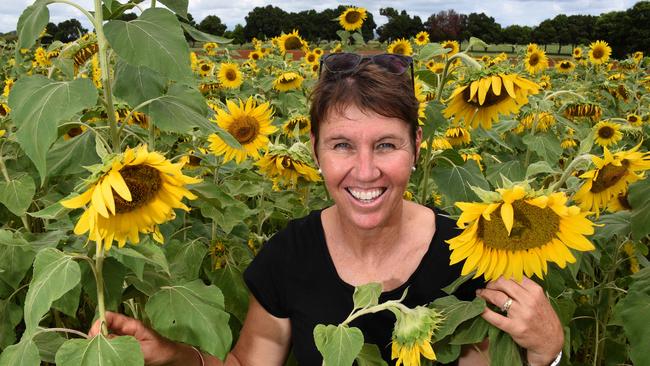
x=369 y=88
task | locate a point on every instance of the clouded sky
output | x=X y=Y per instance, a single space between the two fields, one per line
x=231 y=12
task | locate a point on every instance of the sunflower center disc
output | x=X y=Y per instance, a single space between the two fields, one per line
x=231 y=75
x=606 y=132
x=143 y=182
x=75 y=131
x=352 y=16
x=608 y=176
x=534 y=59
x=3 y=110
x=533 y=227
x=244 y=129
x=205 y=67
x=399 y=49
x=490 y=98
x=292 y=43
x=598 y=53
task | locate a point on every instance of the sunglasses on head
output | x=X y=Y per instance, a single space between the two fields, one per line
x=342 y=62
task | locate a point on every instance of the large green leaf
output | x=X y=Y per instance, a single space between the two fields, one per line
x=185 y=259
x=100 y=351
x=638 y=197
x=69 y=302
x=366 y=295
x=48 y=344
x=55 y=273
x=192 y=313
x=70 y=157
x=155 y=39
x=136 y=84
x=202 y=36
x=231 y=281
x=31 y=23
x=370 y=356
x=544 y=145
x=114 y=273
x=136 y=256
x=16 y=257
x=503 y=350
x=177 y=6
x=17 y=193
x=513 y=170
x=24 y=353
x=610 y=225
x=10 y=315
x=37 y=122
x=633 y=311
x=454 y=182
x=456 y=312
x=339 y=345
x=470 y=332
x=539 y=167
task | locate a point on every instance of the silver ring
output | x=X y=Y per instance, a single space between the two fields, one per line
x=506 y=305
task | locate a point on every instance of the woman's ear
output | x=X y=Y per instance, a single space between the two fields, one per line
x=314 y=144
x=418 y=142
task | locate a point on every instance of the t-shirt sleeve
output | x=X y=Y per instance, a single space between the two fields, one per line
x=266 y=277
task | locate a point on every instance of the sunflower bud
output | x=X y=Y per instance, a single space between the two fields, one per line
x=412 y=334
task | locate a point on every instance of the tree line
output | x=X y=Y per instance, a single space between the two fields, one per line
x=626 y=31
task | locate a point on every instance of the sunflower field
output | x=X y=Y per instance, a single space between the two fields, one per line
x=142 y=177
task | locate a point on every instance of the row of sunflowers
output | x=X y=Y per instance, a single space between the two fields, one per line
x=189 y=160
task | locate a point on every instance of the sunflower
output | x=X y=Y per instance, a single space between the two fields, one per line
x=436 y=67
x=290 y=41
x=422 y=38
x=542 y=121
x=611 y=178
x=249 y=124
x=517 y=233
x=40 y=55
x=311 y=58
x=536 y=61
x=473 y=156
x=96 y=72
x=599 y=52
x=301 y=122
x=412 y=334
x=4 y=110
x=255 y=55
x=531 y=47
x=133 y=193
x=577 y=53
x=74 y=132
x=288 y=81
x=2 y=132
x=607 y=133
x=452 y=46
x=229 y=75
x=568 y=143
x=637 y=57
x=205 y=68
x=9 y=83
x=207 y=88
x=400 y=46
x=287 y=166
x=634 y=119
x=481 y=101
x=210 y=48
x=352 y=18
x=545 y=82
x=565 y=66
x=457 y=136
x=438 y=143
x=590 y=110
x=422 y=99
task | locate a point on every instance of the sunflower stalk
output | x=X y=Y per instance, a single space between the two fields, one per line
x=99 y=277
x=569 y=169
x=427 y=163
x=85 y=12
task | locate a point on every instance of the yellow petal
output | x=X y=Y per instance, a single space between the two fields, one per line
x=98 y=202
x=507 y=215
x=80 y=200
x=119 y=185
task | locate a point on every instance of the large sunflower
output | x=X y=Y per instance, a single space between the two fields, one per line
x=290 y=41
x=607 y=133
x=536 y=61
x=249 y=124
x=481 y=101
x=422 y=38
x=288 y=81
x=229 y=75
x=131 y=194
x=352 y=18
x=611 y=178
x=288 y=165
x=599 y=52
x=565 y=66
x=452 y=46
x=400 y=46
x=518 y=233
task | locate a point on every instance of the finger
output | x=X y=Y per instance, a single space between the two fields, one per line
x=494 y=297
x=498 y=320
x=532 y=287
x=509 y=287
x=123 y=325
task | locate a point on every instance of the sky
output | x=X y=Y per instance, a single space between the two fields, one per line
x=232 y=12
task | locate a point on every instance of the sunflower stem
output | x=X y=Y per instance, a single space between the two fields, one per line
x=377 y=308
x=153 y=4
x=85 y=12
x=99 y=277
x=425 y=178
x=152 y=135
x=569 y=169
x=102 y=42
x=64 y=330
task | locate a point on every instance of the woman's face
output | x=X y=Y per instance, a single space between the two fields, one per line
x=366 y=161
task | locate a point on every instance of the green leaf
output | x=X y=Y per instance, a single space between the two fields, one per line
x=539 y=167
x=69 y=302
x=136 y=84
x=24 y=353
x=616 y=224
x=358 y=39
x=10 y=316
x=456 y=312
x=17 y=194
x=470 y=332
x=545 y=146
x=203 y=37
x=55 y=273
x=339 y=345
x=146 y=252
x=31 y=23
x=473 y=41
x=454 y=182
x=70 y=157
x=231 y=281
x=445 y=352
x=431 y=50
x=53 y=211
x=114 y=273
x=66 y=66
x=503 y=350
x=192 y=313
x=630 y=310
x=16 y=257
x=370 y=356
x=177 y=6
x=638 y=198
x=155 y=39
x=99 y=350
x=48 y=344
x=37 y=122
x=366 y=295
x=451 y=288
x=185 y=259
x=512 y=170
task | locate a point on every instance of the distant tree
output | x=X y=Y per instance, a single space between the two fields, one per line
x=212 y=25
x=638 y=31
x=545 y=33
x=237 y=34
x=581 y=29
x=613 y=28
x=516 y=34
x=444 y=25
x=190 y=21
x=483 y=27
x=264 y=22
x=399 y=25
x=50 y=30
x=69 y=30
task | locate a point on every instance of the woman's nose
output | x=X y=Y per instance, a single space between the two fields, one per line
x=366 y=167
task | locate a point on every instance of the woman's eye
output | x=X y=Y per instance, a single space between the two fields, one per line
x=385 y=146
x=342 y=146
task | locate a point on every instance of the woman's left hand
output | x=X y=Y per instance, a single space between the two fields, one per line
x=530 y=319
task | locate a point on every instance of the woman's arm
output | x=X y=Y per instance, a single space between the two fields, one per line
x=264 y=340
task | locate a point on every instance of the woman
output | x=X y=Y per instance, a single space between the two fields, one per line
x=366 y=140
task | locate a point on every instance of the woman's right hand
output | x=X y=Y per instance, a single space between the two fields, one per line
x=157 y=349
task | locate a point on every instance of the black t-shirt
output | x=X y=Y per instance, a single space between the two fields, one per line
x=294 y=277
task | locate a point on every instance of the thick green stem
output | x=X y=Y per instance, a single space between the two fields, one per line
x=377 y=308
x=99 y=277
x=426 y=167
x=569 y=170
x=106 y=75
x=85 y=12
